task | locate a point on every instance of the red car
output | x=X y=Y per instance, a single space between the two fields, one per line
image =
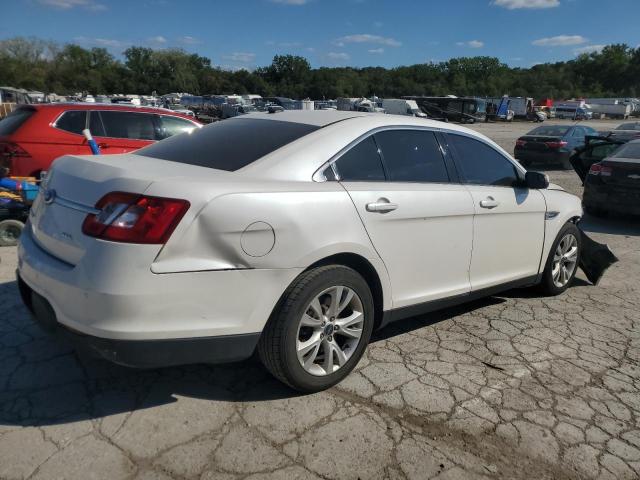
x=33 y=136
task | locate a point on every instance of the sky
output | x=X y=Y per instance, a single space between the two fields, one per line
x=248 y=33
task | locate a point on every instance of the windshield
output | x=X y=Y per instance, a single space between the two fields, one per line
x=550 y=131
x=628 y=150
x=628 y=126
x=228 y=145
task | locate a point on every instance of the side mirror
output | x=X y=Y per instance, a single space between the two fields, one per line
x=536 y=180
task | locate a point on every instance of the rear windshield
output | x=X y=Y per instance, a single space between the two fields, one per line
x=628 y=150
x=228 y=145
x=551 y=131
x=629 y=126
x=12 y=122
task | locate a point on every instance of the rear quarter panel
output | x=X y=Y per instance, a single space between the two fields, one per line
x=295 y=225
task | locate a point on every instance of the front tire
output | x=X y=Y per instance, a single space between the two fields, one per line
x=319 y=330
x=10 y=231
x=562 y=264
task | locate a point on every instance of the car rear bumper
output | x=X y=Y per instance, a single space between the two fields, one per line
x=541 y=156
x=148 y=319
x=615 y=200
x=142 y=353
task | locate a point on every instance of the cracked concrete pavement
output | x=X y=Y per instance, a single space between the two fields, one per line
x=513 y=386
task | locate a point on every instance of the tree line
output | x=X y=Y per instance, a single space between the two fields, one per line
x=36 y=64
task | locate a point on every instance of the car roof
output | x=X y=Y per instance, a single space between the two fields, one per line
x=64 y=106
x=319 y=118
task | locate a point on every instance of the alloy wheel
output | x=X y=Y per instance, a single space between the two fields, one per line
x=329 y=330
x=565 y=260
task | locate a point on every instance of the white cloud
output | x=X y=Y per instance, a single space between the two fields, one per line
x=242 y=57
x=189 y=40
x=367 y=38
x=69 y=4
x=376 y=51
x=157 y=39
x=101 y=42
x=290 y=2
x=516 y=4
x=588 y=49
x=560 y=41
x=471 y=44
x=339 y=56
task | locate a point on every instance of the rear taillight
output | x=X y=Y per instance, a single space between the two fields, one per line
x=601 y=170
x=521 y=143
x=557 y=144
x=133 y=218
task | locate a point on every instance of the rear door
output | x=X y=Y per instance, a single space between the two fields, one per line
x=593 y=152
x=508 y=226
x=418 y=219
x=68 y=138
x=123 y=131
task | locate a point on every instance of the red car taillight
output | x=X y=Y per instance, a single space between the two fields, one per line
x=521 y=143
x=9 y=151
x=599 y=169
x=133 y=218
x=557 y=144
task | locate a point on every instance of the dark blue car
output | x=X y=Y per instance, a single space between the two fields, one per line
x=551 y=144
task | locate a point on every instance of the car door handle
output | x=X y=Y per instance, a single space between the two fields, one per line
x=381 y=206
x=489 y=202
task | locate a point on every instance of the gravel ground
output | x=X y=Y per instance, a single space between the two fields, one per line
x=513 y=386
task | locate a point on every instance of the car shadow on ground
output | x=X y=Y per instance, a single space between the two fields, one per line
x=44 y=381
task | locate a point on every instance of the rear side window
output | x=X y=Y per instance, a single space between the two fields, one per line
x=95 y=125
x=12 y=122
x=131 y=125
x=361 y=163
x=412 y=156
x=228 y=145
x=73 y=121
x=170 y=126
x=480 y=164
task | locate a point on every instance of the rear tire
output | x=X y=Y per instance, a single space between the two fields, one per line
x=10 y=231
x=296 y=325
x=559 y=271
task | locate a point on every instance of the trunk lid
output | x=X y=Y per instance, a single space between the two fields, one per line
x=76 y=183
x=538 y=143
x=624 y=172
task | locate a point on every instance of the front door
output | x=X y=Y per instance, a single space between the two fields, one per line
x=509 y=220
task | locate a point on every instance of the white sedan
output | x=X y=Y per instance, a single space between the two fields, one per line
x=294 y=233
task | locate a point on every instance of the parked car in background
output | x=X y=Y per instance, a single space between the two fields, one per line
x=552 y=144
x=626 y=131
x=297 y=234
x=33 y=136
x=572 y=112
x=610 y=172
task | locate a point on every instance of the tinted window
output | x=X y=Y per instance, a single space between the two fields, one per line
x=228 y=145
x=133 y=125
x=412 y=156
x=362 y=163
x=170 y=126
x=14 y=120
x=628 y=150
x=95 y=125
x=482 y=165
x=73 y=121
x=551 y=131
x=629 y=126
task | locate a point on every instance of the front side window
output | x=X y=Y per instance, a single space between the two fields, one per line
x=482 y=165
x=73 y=121
x=412 y=156
x=361 y=163
x=130 y=125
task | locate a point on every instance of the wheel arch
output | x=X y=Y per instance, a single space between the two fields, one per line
x=365 y=268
